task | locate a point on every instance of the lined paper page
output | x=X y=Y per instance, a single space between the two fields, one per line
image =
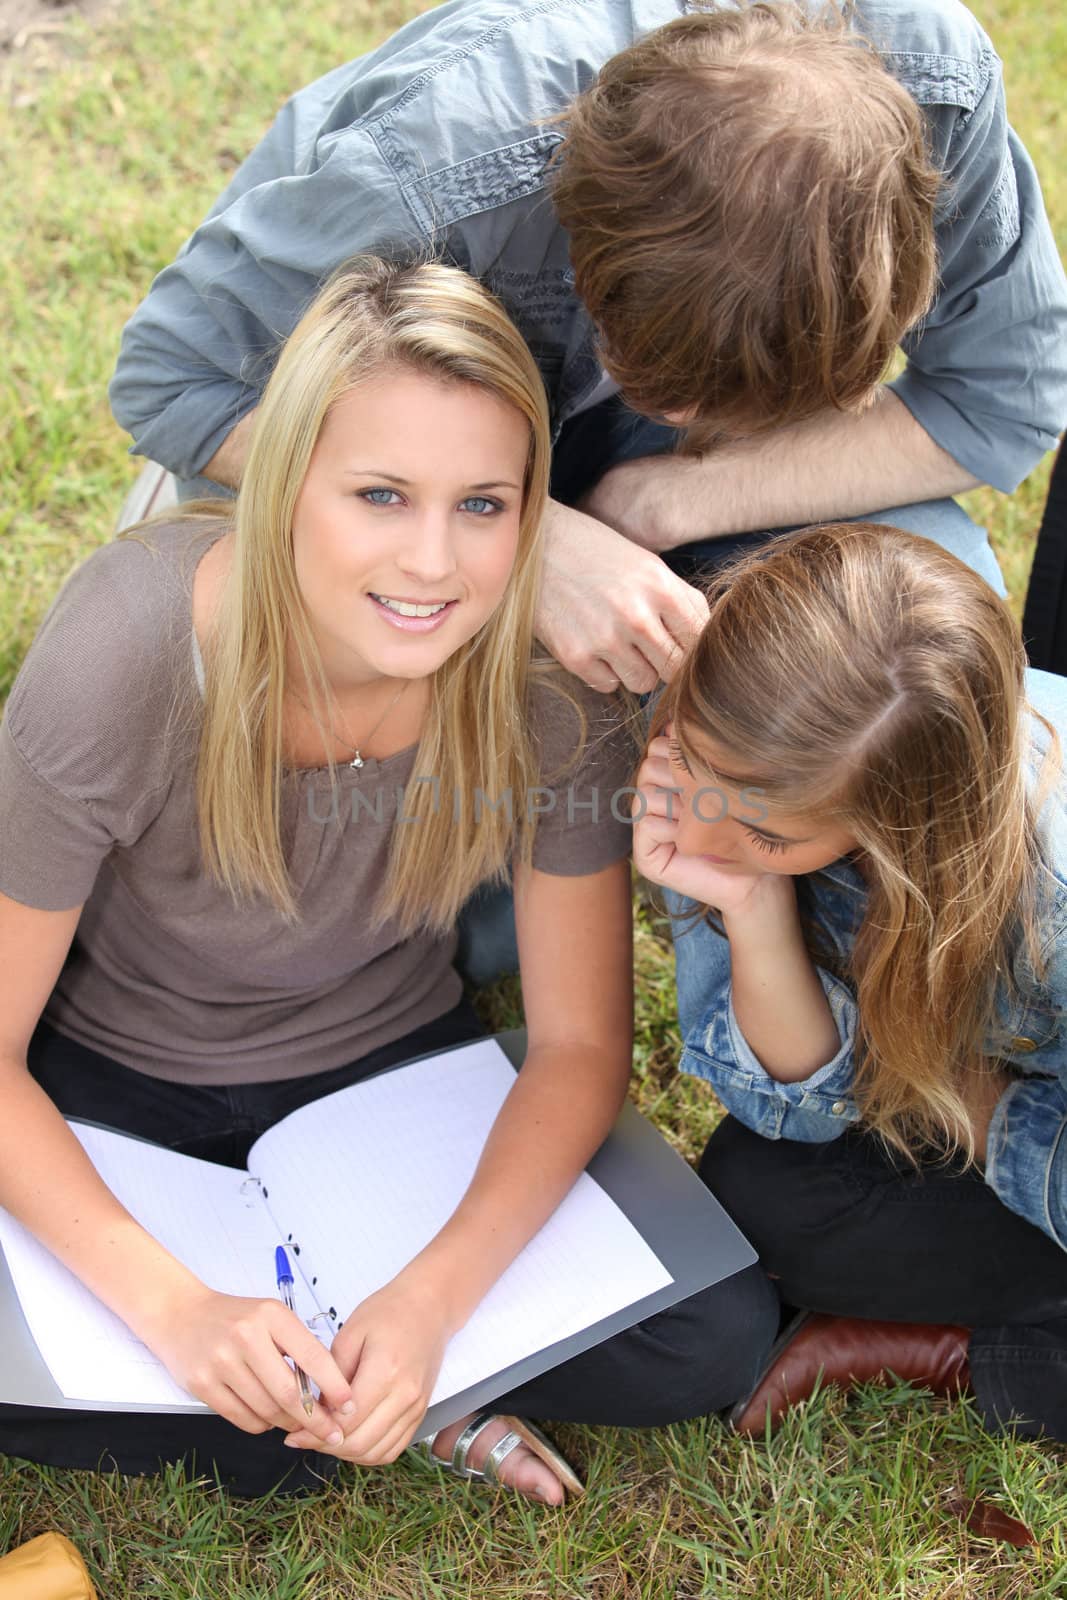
x=197 y=1210
x=365 y=1178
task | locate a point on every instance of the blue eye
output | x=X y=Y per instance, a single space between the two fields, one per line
x=380 y=497
x=480 y=505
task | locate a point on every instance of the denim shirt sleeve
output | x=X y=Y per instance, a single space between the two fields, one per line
x=987 y=366
x=434 y=144
x=817 y=1108
x=196 y=355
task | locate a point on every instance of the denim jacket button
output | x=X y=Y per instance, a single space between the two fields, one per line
x=839 y=1108
x=1024 y=1045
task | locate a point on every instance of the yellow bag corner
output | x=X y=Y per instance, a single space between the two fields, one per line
x=47 y=1568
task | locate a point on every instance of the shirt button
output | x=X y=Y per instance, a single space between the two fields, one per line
x=838 y=1108
x=1024 y=1045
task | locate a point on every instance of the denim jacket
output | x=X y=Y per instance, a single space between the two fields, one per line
x=439 y=142
x=1026 y=1163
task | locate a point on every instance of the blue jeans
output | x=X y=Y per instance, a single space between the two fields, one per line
x=943 y=521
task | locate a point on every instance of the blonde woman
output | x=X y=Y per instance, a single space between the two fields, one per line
x=866 y=794
x=209 y=913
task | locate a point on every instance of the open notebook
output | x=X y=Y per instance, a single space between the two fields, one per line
x=354 y=1185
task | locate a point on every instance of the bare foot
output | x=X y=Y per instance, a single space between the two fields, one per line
x=520 y=1469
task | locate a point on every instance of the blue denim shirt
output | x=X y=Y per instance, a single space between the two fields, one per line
x=1026 y=1160
x=439 y=141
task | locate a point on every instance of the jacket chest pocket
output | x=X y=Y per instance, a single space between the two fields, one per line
x=1024 y=1026
x=1029 y=1015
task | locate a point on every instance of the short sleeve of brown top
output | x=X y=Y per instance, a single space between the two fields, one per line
x=97 y=805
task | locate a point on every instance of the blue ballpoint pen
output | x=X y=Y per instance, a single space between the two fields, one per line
x=284 y=1274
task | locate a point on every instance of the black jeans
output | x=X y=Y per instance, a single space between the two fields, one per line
x=699 y=1356
x=849 y=1229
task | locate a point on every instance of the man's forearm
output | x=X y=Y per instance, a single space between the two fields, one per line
x=839 y=464
x=834 y=465
x=228 y=462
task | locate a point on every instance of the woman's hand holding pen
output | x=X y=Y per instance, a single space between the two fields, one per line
x=392 y=1345
x=230 y=1352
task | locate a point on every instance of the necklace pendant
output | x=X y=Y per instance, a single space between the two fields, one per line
x=356 y=762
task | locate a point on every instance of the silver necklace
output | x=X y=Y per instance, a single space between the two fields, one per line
x=357 y=760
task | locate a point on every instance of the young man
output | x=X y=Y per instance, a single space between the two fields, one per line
x=731 y=215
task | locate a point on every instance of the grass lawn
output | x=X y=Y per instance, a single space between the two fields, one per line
x=113 y=141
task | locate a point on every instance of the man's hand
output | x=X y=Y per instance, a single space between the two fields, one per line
x=609 y=611
x=228 y=462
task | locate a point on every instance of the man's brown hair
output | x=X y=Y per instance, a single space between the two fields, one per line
x=750 y=204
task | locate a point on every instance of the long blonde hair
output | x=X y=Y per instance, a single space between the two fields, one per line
x=866 y=677
x=371 y=315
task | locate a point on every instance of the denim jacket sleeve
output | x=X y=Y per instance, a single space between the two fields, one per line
x=1026 y=1162
x=818 y=1108
x=1026 y=1147
x=987 y=366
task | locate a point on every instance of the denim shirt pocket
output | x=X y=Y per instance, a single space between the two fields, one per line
x=479 y=184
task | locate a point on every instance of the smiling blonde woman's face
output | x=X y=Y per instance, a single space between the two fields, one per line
x=406 y=528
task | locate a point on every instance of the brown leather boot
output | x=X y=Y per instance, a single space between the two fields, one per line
x=848 y=1350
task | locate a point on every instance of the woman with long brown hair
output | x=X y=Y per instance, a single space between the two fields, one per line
x=853 y=791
